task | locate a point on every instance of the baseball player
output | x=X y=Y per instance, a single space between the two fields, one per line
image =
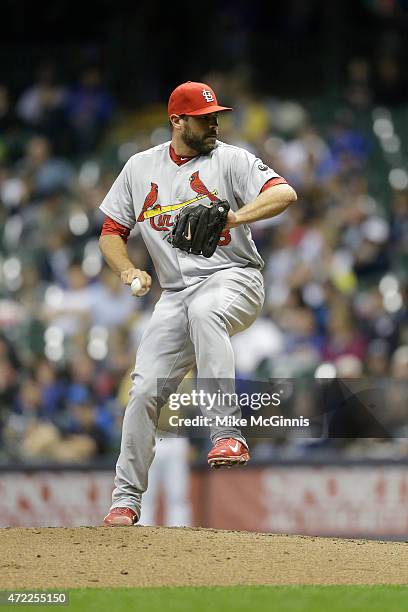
x=192 y=198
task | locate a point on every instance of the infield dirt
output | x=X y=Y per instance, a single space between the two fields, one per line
x=157 y=556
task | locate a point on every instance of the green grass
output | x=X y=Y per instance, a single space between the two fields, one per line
x=241 y=599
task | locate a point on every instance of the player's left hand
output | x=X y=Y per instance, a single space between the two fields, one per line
x=198 y=227
x=232 y=220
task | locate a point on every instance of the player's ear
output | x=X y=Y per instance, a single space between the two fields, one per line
x=175 y=121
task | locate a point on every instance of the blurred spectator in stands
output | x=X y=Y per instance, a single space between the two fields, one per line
x=90 y=107
x=32 y=289
x=56 y=252
x=14 y=191
x=251 y=118
x=263 y=341
x=397 y=392
x=10 y=135
x=79 y=438
x=28 y=402
x=399 y=222
x=51 y=387
x=82 y=370
x=112 y=303
x=7 y=118
x=41 y=107
x=348 y=366
x=371 y=256
x=348 y=145
x=69 y=308
x=374 y=321
x=8 y=384
x=101 y=380
x=46 y=174
x=297 y=253
x=279 y=266
x=377 y=361
x=390 y=85
x=9 y=365
x=86 y=418
x=355 y=209
x=28 y=423
x=343 y=337
x=399 y=363
x=305 y=157
x=303 y=340
x=357 y=91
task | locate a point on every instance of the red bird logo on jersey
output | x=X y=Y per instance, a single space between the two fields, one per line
x=198 y=186
x=158 y=215
x=150 y=200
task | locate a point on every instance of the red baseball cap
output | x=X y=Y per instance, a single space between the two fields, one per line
x=194 y=99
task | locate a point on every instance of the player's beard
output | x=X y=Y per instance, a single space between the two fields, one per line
x=197 y=143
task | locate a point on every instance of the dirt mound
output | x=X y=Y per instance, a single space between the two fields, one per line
x=153 y=556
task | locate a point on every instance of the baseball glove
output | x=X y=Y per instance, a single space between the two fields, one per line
x=198 y=227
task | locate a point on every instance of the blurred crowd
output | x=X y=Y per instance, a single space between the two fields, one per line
x=335 y=263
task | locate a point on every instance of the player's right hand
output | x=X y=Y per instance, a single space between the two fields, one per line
x=127 y=276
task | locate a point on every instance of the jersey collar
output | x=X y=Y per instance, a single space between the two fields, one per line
x=177 y=158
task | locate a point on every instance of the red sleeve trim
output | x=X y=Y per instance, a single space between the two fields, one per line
x=277 y=180
x=114 y=228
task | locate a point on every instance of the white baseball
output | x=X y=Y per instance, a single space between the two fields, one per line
x=136 y=287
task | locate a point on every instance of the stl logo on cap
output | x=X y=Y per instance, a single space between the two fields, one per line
x=187 y=99
x=208 y=95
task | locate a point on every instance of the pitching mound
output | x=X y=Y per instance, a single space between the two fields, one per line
x=153 y=556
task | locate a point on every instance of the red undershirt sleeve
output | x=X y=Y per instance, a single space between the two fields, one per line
x=114 y=228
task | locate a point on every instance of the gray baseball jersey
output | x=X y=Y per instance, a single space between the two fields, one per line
x=151 y=189
x=204 y=302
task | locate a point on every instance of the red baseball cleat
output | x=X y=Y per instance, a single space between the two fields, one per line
x=228 y=452
x=124 y=517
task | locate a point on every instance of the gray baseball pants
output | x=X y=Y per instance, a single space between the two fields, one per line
x=188 y=326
